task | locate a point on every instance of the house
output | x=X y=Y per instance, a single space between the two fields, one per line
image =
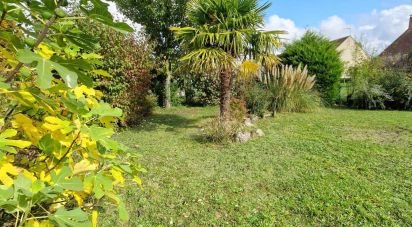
x=351 y=53
x=401 y=48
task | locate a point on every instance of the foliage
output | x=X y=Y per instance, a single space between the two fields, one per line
x=238 y=109
x=321 y=58
x=373 y=86
x=291 y=89
x=156 y=17
x=127 y=58
x=222 y=33
x=57 y=160
x=399 y=86
x=216 y=131
x=201 y=90
x=257 y=98
x=296 y=175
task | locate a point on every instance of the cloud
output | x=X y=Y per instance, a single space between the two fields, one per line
x=376 y=29
x=335 y=27
x=277 y=23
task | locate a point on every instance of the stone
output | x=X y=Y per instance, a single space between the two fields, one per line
x=254 y=118
x=258 y=133
x=248 y=122
x=243 y=137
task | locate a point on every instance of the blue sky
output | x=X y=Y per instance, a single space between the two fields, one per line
x=312 y=12
x=375 y=23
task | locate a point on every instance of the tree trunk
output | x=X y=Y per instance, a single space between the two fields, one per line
x=225 y=89
x=167 y=93
x=168 y=96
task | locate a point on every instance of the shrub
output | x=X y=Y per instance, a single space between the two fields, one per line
x=398 y=85
x=375 y=87
x=128 y=60
x=291 y=89
x=201 y=90
x=57 y=159
x=238 y=109
x=216 y=131
x=256 y=97
x=322 y=59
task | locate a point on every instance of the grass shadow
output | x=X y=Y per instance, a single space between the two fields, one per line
x=172 y=122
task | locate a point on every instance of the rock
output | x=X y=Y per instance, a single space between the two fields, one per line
x=243 y=137
x=254 y=118
x=258 y=133
x=248 y=122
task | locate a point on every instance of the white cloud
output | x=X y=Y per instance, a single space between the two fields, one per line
x=335 y=27
x=376 y=29
x=277 y=23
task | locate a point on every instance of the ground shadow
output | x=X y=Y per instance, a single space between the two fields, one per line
x=171 y=121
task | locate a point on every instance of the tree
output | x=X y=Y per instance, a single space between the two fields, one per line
x=57 y=160
x=225 y=39
x=157 y=16
x=322 y=59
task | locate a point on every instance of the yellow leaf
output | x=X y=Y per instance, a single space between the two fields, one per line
x=54 y=124
x=29 y=175
x=32 y=223
x=44 y=177
x=94 y=218
x=83 y=166
x=21 y=121
x=248 y=69
x=7 y=169
x=138 y=181
x=118 y=176
x=79 y=197
x=80 y=91
x=45 y=51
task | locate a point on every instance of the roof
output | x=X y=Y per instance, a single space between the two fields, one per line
x=401 y=46
x=338 y=42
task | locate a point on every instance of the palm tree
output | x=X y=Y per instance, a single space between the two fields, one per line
x=226 y=38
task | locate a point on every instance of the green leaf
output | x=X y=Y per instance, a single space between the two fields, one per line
x=49 y=145
x=44 y=69
x=22 y=185
x=8 y=144
x=123 y=214
x=62 y=181
x=100 y=184
x=105 y=110
x=99 y=12
x=5 y=193
x=71 y=218
x=98 y=133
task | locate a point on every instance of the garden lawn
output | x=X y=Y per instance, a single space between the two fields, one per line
x=334 y=167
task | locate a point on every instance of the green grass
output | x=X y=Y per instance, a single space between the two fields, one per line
x=333 y=167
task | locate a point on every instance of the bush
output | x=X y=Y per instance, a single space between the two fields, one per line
x=373 y=86
x=256 y=97
x=238 y=109
x=291 y=90
x=201 y=90
x=322 y=59
x=128 y=59
x=216 y=131
x=399 y=86
x=58 y=163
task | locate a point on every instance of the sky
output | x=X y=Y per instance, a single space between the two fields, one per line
x=374 y=23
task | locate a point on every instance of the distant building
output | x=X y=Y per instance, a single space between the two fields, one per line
x=351 y=53
x=401 y=48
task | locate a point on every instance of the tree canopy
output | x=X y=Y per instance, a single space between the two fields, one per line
x=322 y=59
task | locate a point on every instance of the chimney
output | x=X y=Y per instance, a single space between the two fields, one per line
x=410 y=22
